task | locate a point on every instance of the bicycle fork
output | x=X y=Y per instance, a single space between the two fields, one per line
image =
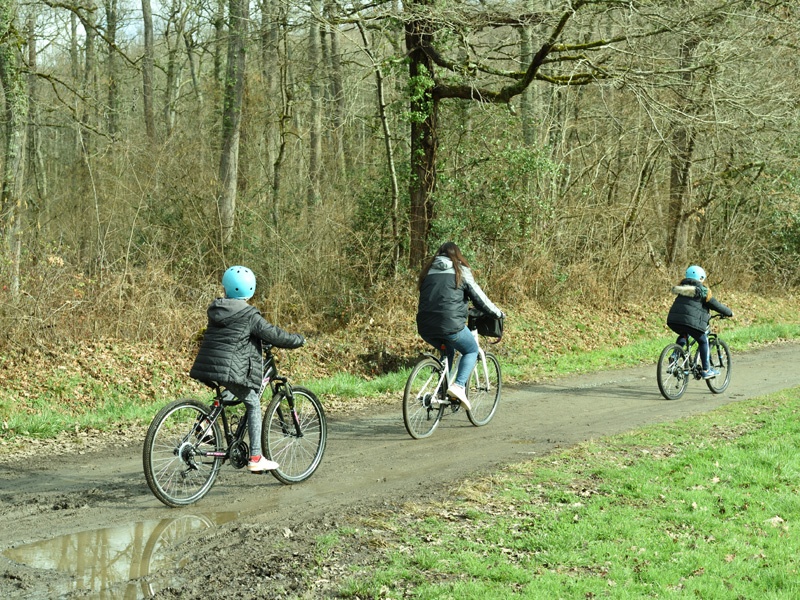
x=288 y=393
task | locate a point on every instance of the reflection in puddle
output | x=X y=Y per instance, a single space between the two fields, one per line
x=111 y=561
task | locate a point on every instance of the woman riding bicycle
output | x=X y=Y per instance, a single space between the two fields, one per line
x=446 y=286
x=690 y=312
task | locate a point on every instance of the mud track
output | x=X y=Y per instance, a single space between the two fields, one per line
x=251 y=537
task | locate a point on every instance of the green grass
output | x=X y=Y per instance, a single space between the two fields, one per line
x=703 y=508
x=347 y=385
x=523 y=365
x=67 y=399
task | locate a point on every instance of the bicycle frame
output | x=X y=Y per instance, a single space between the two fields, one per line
x=694 y=364
x=233 y=438
x=449 y=372
x=425 y=396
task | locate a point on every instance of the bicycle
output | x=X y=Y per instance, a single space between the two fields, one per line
x=425 y=397
x=188 y=440
x=678 y=364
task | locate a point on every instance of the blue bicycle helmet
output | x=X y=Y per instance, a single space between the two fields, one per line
x=239 y=282
x=695 y=272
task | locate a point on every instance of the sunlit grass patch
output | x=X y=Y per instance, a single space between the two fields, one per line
x=703 y=507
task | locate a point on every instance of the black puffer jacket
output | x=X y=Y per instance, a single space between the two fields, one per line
x=231 y=348
x=692 y=304
x=442 y=308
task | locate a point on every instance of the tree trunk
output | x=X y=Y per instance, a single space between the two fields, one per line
x=681 y=156
x=315 y=89
x=16 y=108
x=219 y=37
x=424 y=142
x=526 y=99
x=112 y=72
x=148 y=61
x=232 y=117
x=343 y=161
x=89 y=83
x=34 y=150
x=173 y=36
x=387 y=141
x=191 y=45
x=75 y=69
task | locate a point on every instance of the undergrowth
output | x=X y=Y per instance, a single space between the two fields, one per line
x=48 y=388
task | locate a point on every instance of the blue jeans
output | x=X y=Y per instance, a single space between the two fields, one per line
x=252 y=401
x=465 y=343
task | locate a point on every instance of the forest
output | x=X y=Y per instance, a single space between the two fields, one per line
x=580 y=151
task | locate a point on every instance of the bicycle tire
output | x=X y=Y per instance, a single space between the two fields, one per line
x=176 y=471
x=298 y=455
x=419 y=417
x=483 y=395
x=720 y=356
x=672 y=378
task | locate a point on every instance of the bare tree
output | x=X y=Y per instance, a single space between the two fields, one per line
x=232 y=117
x=389 y=148
x=336 y=88
x=15 y=113
x=315 y=92
x=112 y=68
x=148 y=60
x=34 y=151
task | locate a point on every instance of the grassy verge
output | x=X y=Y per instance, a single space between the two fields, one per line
x=106 y=385
x=701 y=508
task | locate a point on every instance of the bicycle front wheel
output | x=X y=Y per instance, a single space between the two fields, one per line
x=420 y=418
x=176 y=466
x=673 y=372
x=294 y=434
x=483 y=390
x=721 y=361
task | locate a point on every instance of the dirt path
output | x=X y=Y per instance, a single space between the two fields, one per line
x=98 y=502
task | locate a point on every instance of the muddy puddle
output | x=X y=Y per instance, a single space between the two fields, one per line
x=114 y=562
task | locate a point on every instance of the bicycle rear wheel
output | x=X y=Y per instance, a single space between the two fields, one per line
x=294 y=434
x=419 y=417
x=673 y=372
x=483 y=390
x=175 y=467
x=721 y=361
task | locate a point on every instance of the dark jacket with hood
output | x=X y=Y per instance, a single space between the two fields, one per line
x=231 y=348
x=690 y=310
x=442 y=306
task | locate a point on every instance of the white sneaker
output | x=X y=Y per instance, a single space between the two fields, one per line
x=261 y=465
x=459 y=393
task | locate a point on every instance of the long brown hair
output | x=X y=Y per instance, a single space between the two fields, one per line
x=451 y=251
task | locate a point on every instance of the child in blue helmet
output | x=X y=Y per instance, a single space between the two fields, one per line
x=231 y=356
x=690 y=312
